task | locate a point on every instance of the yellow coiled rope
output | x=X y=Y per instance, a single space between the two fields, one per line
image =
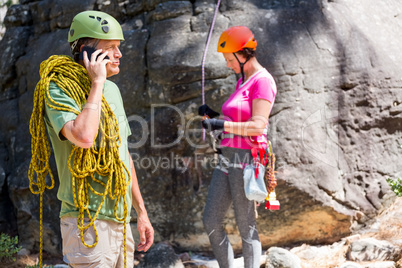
x=103 y=159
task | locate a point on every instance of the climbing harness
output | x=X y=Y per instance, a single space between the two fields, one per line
x=260 y=155
x=204 y=57
x=103 y=159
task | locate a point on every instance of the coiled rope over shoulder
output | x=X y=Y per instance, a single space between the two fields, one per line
x=102 y=158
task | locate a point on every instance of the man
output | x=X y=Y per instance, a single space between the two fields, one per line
x=87 y=126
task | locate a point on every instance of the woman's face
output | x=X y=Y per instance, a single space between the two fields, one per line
x=232 y=63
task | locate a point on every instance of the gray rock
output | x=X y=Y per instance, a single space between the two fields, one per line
x=350 y=264
x=325 y=252
x=13 y=48
x=18 y=15
x=371 y=249
x=162 y=255
x=171 y=9
x=23 y=252
x=384 y=264
x=281 y=258
x=62 y=12
x=61 y=266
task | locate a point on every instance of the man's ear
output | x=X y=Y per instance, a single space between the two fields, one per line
x=81 y=47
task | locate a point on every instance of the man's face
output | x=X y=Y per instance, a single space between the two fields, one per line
x=113 y=51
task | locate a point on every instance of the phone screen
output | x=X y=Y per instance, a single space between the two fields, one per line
x=89 y=51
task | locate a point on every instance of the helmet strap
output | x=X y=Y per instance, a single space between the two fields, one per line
x=96 y=43
x=242 y=65
x=74 y=44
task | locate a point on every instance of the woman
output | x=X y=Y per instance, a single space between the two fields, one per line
x=244 y=126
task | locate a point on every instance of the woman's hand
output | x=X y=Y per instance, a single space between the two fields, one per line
x=213 y=124
x=205 y=110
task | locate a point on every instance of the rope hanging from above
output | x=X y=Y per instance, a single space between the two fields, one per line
x=204 y=57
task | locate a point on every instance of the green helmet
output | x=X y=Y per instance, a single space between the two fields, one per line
x=95 y=24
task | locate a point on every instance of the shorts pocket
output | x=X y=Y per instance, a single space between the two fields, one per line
x=70 y=236
x=74 y=251
x=89 y=236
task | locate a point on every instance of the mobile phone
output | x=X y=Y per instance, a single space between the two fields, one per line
x=89 y=51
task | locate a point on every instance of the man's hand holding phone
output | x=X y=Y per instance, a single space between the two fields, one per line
x=90 y=51
x=95 y=62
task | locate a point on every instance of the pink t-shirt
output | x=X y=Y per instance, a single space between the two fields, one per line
x=238 y=108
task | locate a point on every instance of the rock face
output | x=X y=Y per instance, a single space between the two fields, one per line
x=335 y=127
x=279 y=257
x=372 y=249
x=376 y=244
x=160 y=256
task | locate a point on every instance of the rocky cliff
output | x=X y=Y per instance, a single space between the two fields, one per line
x=335 y=127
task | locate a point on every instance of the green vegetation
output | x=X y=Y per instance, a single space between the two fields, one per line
x=8 y=247
x=7 y=3
x=4 y=5
x=396 y=186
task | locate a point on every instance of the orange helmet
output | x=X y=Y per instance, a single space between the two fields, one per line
x=235 y=39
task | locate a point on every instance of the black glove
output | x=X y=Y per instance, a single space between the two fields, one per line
x=205 y=110
x=213 y=124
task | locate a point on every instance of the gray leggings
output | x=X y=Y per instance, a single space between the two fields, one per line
x=227 y=187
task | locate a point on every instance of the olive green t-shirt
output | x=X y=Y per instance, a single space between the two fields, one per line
x=55 y=120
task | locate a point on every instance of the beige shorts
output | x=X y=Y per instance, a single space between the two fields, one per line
x=109 y=252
